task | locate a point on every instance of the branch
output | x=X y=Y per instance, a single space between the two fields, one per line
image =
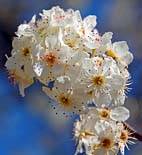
x=134 y=133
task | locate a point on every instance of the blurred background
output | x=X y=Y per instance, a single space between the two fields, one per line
x=29 y=126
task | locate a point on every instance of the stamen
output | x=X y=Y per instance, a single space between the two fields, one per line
x=98 y=80
x=105 y=113
x=50 y=59
x=26 y=51
x=112 y=54
x=64 y=100
x=106 y=143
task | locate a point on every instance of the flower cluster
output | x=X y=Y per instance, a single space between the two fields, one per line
x=101 y=131
x=82 y=71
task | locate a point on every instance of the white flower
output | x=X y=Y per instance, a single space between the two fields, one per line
x=19 y=65
x=84 y=133
x=72 y=39
x=100 y=78
x=51 y=60
x=23 y=53
x=43 y=30
x=58 y=17
x=125 y=138
x=68 y=99
x=117 y=114
x=74 y=66
x=120 y=52
x=99 y=128
x=86 y=26
x=26 y=29
x=108 y=135
x=98 y=43
x=18 y=75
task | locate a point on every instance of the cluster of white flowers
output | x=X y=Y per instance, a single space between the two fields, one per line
x=101 y=131
x=82 y=71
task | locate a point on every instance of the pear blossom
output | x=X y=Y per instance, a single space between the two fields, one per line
x=81 y=71
x=125 y=139
x=118 y=114
x=84 y=26
x=101 y=80
x=108 y=135
x=26 y=29
x=95 y=135
x=68 y=99
x=23 y=52
x=97 y=43
x=58 y=17
x=17 y=75
x=120 y=52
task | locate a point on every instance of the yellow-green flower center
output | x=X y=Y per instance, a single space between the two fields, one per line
x=98 y=80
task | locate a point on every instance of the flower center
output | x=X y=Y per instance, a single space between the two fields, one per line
x=106 y=143
x=71 y=44
x=26 y=51
x=112 y=54
x=105 y=113
x=98 y=80
x=64 y=100
x=50 y=58
x=124 y=136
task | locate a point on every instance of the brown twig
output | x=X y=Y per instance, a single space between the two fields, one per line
x=134 y=133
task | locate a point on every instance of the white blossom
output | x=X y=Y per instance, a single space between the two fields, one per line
x=81 y=71
x=120 y=52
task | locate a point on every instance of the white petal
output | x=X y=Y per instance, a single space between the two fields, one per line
x=121 y=46
x=90 y=22
x=57 y=70
x=128 y=58
x=106 y=37
x=77 y=57
x=101 y=127
x=119 y=114
x=63 y=83
x=24 y=29
x=103 y=100
x=33 y=20
x=77 y=20
x=116 y=82
x=51 y=41
x=122 y=50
